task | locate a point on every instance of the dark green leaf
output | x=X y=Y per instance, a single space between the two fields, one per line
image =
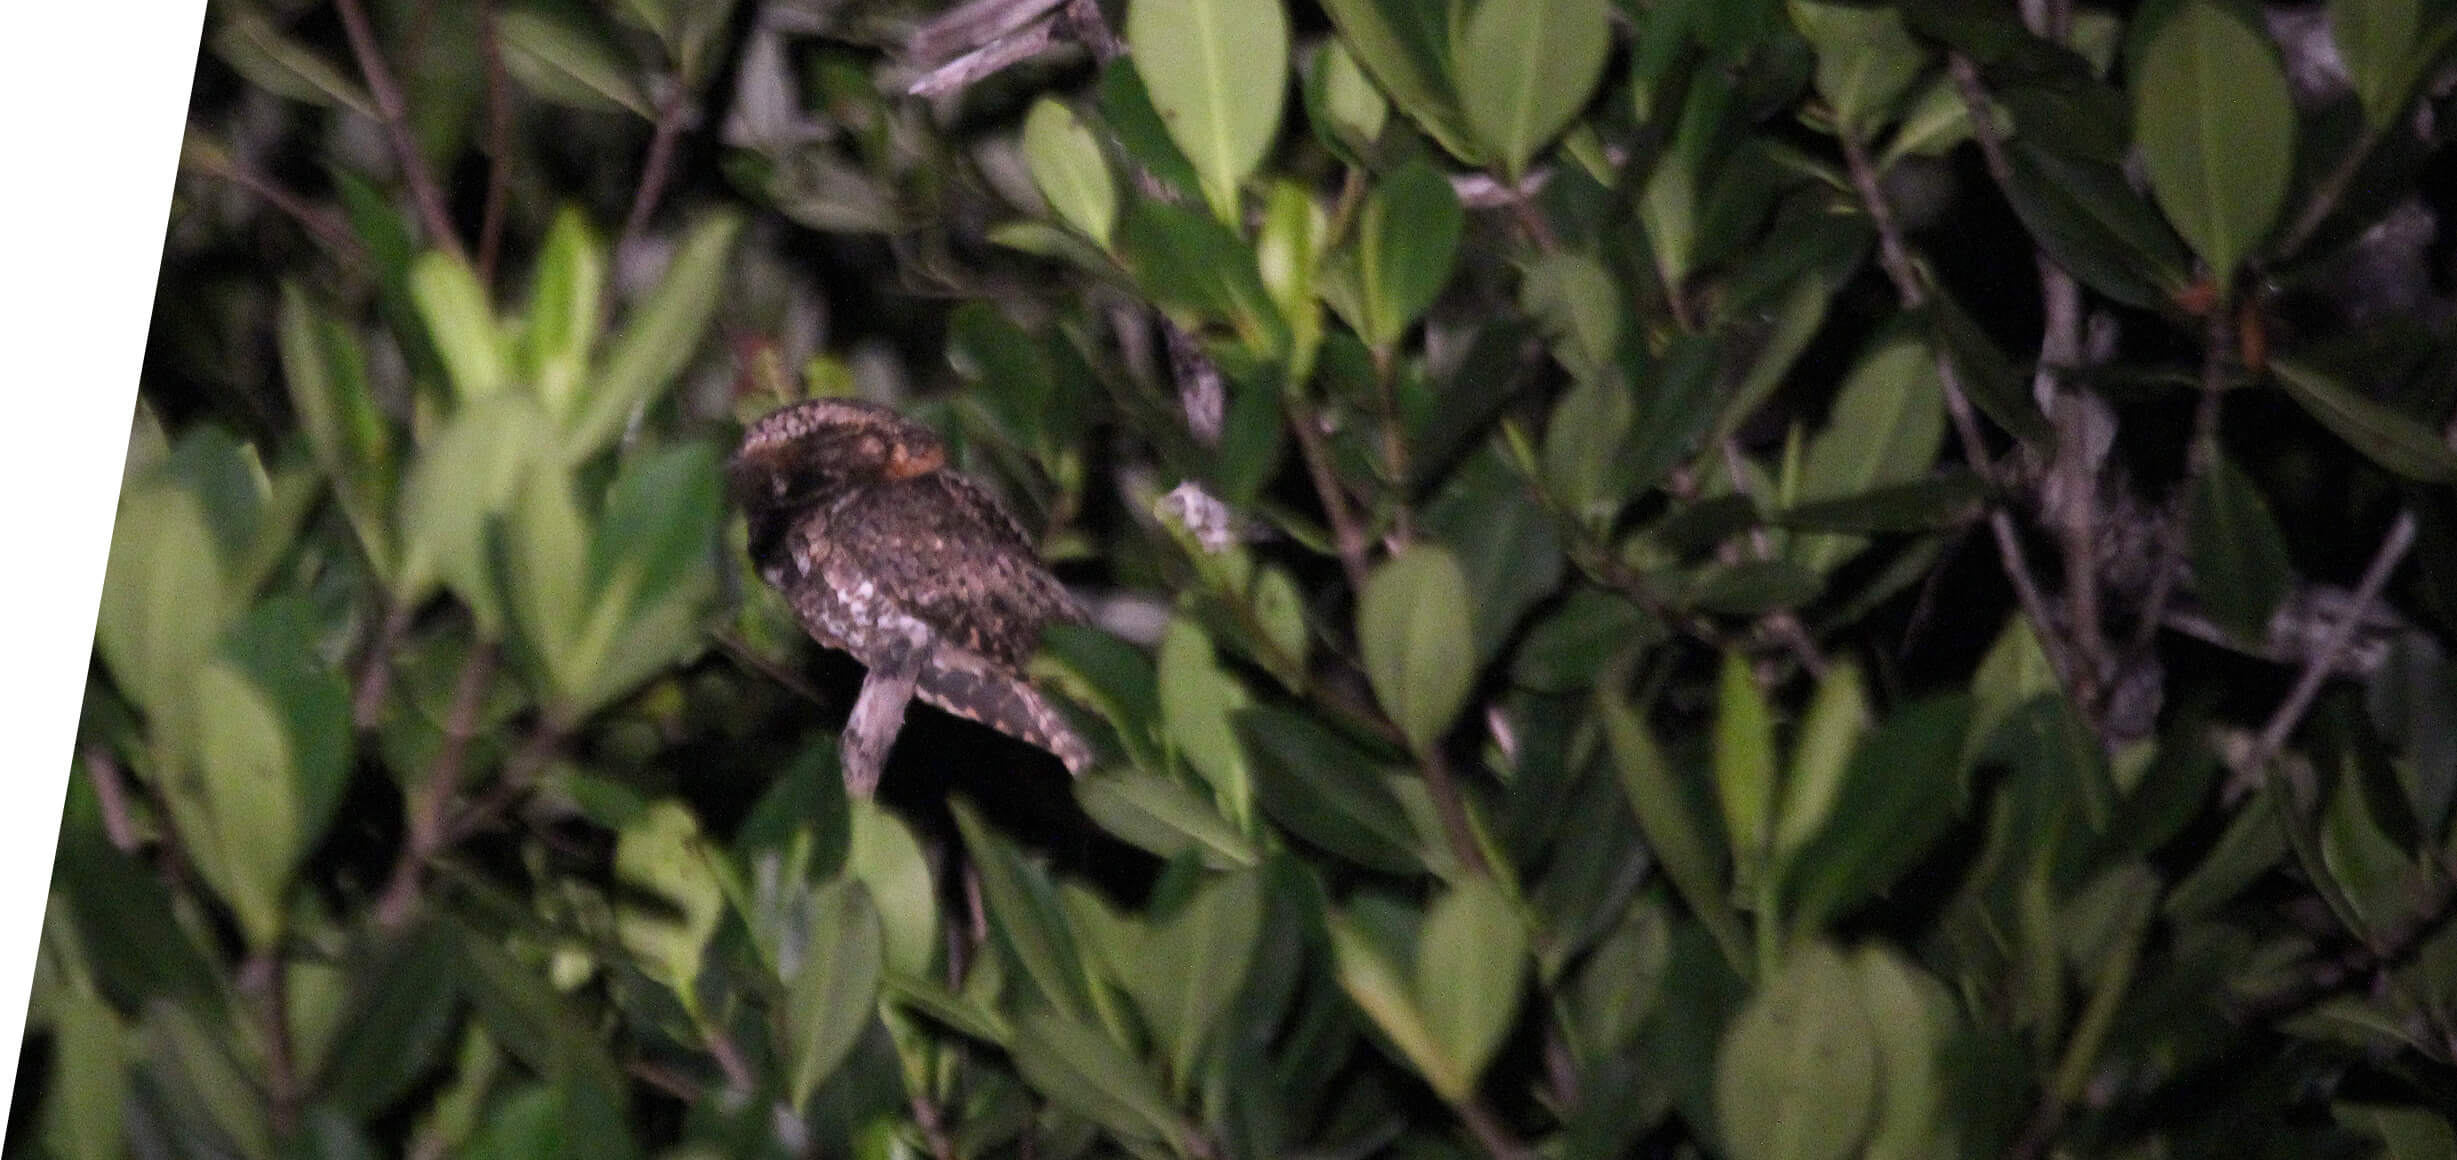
x=1327 y=790
x=1407 y=242
x=1902 y=789
x=1406 y=46
x=2240 y=566
x=1949 y=500
x=2375 y=431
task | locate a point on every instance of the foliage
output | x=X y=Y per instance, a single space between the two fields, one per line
x=1675 y=577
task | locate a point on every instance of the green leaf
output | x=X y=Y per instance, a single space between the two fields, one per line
x=1412 y=626
x=1373 y=979
x=1347 y=110
x=1192 y=964
x=249 y=43
x=1677 y=819
x=564 y=310
x=1407 y=244
x=403 y=1005
x=832 y=994
x=1405 y=44
x=461 y=323
x=1886 y=427
x=1831 y=729
x=568 y=63
x=1471 y=962
x=2092 y=221
x=1507 y=547
x=1327 y=791
x=2216 y=131
x=1192 y=265
x=1524 y=69
x=1023 y=911
x=1288 y=253
x=883 y=855
x=1988 y=378
x=1797 y=1077
x=657 y=337
x=1163 y=816
x=1866 y=61
x=1568 y=649
x=1083 y=1072
x=1913 y=1017
x=2378 y=433
x=1068 y=166
x=325 y=369
x=663 y=855
x=1198 y=699
x=1574 y=299
x=1898 y=794
x=167 y=594
x=1745 y=773
x=89 y=1074
x=2240 y=566
x=2376 y=39
x=1217 y=71
x=1950 y=500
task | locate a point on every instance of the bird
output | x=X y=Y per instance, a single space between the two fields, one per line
x=885 y=552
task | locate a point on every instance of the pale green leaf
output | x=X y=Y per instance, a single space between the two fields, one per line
x=1412 y=625
x=1471 y=961
x=1070 y=170
x=1797 y=1078
x=1217 y=71
x=1525 y=68
x=2217 y=132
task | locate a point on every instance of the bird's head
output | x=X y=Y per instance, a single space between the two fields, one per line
x=815 y=450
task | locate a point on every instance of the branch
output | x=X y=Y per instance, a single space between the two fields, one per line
x=498 y=144
x=1895 y=257
x=394 y=112
x=2324 y=660
x=220 y=162
x=1349 y=538
x=427 y=831
x=2216 y=338
x=657 y=169
x=2434 y=907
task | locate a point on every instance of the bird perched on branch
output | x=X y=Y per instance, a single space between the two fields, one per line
x=888 y=554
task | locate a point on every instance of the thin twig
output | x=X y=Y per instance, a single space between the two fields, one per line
x=2073 y=478
x=2217 y=336
x=2324 y=661
x=263 y=978
x=323 y=223
x=1452 y=805
x=2326 y=195
x=427 y=831
x=111 y=791
x=2433 y=908
x=375 y=670
x=498 y=144
x=1345 y=534
x=1895 y=257
x=393 y=111
x=658 y=168
x=1481 y=1123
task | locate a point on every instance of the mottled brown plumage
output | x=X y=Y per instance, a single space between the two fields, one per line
x=888 y=554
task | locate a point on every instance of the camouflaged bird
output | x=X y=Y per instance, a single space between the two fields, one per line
x=886 y=553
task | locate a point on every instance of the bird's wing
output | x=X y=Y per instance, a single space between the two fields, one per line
x=941 y=549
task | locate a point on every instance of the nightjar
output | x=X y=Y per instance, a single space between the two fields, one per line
x=888 y=554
